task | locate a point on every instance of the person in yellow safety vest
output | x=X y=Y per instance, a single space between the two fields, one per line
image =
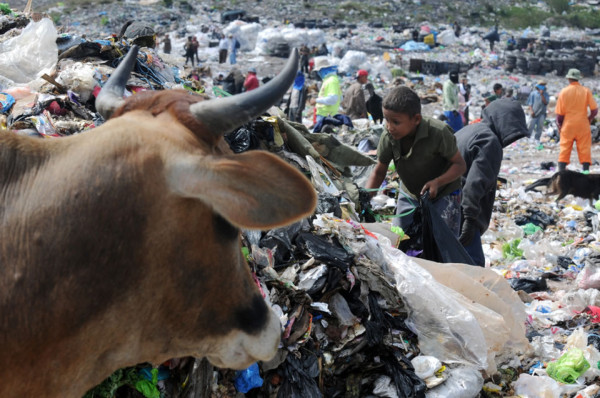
x=330 y=94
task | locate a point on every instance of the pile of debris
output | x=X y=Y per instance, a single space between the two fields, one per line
x=359 y=317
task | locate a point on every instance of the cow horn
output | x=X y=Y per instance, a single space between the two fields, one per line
x=111 y=95
x=223 y=115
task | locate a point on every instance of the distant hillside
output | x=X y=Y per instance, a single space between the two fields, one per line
x=508 y=13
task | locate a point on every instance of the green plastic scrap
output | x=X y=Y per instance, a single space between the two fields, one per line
x=5 y=9
x=569 y=367
x=397 y=230
x=245 y=252
x=148 y=388
x=510 y=250
x=597 y=205
x=530 y=228
x=108 y=388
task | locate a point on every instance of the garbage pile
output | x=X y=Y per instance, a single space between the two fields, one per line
x=359 y=317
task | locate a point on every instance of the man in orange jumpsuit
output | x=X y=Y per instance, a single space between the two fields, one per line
x=574 y=122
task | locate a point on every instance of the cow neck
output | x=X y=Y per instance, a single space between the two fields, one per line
x=18 y=155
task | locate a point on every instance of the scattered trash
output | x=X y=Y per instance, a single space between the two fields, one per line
x=359 y=317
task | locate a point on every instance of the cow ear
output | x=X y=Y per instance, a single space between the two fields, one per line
x=253 y=190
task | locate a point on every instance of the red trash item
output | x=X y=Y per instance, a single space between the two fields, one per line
x=594 y=312
x=55 y=109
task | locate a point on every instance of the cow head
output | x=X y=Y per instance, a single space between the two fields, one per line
x=255 y=190
x=122 y=245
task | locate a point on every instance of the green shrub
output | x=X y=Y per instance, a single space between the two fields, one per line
x=559 y=6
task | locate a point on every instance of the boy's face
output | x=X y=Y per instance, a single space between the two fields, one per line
x=400 y=124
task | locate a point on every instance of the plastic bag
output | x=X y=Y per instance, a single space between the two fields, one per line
x=31 y=54
x=79 y=77
x=425 y=366
x=6 y=102
x=529 y=285
x=242 y=139
x=439 y=243
x=569 y=367
x=536 y=386
x=463 y=382
x=446 y=328
x=589 y=277
x=248 y=379
x=486 y=287
x=299 y=377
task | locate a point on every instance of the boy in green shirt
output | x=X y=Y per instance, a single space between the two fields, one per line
x=426 y=157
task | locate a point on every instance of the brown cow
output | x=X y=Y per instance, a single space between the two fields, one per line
x=121 y=245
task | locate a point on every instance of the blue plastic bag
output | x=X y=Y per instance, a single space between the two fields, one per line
x=6 y=102
x=248 y=379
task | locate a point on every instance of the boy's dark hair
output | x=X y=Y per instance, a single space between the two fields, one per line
x=403 y=100
x=497 y=86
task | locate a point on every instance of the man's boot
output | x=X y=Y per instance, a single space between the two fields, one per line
x=586 y=168
x=562 y=166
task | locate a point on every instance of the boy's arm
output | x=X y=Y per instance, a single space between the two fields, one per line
x=377 y=175
x=457 y=168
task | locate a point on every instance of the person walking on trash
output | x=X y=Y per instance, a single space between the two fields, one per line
x=354 y=104
x=574 y=122
x=537 y=102
x=233 y=46
x=426 y=157
x=251 y=82
x=330 y=95
x=167 y=45
x=190 y=52
x=223 y=48
x=450 y=102
x=481 y=145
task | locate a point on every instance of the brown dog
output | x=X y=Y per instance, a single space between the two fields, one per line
x=569 y=182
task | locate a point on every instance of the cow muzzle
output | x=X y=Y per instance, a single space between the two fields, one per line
x=238 y=350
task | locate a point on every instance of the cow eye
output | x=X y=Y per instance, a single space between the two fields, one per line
x=224 y=229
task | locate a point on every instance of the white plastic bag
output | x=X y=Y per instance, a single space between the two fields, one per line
x=29 y=55
x=589 y=277
x=463 y=382
x=79 y=77
x=425 y=366
x=536 y=386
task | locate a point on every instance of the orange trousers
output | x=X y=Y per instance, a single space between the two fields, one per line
x=583 y=137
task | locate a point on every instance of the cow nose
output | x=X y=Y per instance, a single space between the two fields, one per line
x=268 y=340
x=240 y=349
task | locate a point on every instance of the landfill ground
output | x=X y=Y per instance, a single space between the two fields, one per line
x=359 y=318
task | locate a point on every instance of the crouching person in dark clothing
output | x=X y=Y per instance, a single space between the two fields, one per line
x=481 y=145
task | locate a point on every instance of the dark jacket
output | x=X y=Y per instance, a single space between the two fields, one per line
x=481 y=145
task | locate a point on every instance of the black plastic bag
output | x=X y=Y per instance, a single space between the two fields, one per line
x=535 y=217
x=242 y=139
x=439 y=243
x=400 y=369
x=327 y=203
x=299 y=377
x=528 y=285
x=564 y=262
x=281 y=240
x=322 y=249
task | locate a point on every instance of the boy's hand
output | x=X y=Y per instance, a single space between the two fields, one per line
x=431 y=186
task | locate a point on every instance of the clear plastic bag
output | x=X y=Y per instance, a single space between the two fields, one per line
x=463 y=382
x=446 y=328
x=486 y=287
x=31 y=54
x=536 y=386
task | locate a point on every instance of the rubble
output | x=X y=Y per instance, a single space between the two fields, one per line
x=359 y=317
